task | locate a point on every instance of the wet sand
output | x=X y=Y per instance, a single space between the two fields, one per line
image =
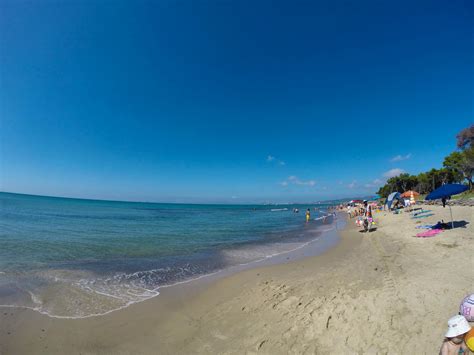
x=380 y=292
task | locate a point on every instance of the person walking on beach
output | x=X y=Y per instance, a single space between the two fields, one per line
x=367 y=216
x=308 y=215
x=367 y=210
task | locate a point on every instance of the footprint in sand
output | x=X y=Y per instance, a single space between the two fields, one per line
x=218 y=335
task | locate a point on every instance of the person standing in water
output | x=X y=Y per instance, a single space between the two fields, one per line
x=308 y=215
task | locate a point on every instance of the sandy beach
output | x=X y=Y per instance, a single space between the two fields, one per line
x=187 y=178
x=373 y=293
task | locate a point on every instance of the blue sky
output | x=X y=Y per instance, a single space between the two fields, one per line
x=218 y=101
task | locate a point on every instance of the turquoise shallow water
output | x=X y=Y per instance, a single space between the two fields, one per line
x=75 y=258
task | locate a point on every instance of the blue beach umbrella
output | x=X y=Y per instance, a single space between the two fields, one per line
x=445 y=192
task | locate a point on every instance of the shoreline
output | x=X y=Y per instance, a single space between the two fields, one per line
x=171 y=297
x=322 y=240
x=371 y=293
x=70 y=259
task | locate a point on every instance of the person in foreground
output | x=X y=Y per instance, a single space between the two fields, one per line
x=454 y=343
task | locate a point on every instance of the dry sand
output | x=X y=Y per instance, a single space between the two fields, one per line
x=375 y=293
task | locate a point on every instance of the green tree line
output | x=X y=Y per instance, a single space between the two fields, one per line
x=458 y=167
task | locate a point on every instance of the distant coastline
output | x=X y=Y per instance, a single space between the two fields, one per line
x=327 y=202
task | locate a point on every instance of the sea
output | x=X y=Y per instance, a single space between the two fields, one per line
x=75 y=258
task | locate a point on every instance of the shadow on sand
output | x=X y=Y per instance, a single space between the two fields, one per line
x=372 y=230
x=458 y=224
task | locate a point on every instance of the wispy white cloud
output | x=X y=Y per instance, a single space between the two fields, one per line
x=307 y=183
x=352 y=185
x=274 y=160
x=393 y=172
x=401 y=157
x=374 y=183
x=294 y=180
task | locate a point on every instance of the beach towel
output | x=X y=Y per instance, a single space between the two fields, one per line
x=425 y=215
x=421 y=212
x=430 y=233
x=426 y=226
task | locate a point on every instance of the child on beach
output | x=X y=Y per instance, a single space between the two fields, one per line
x=308 y=215
x=454 y=343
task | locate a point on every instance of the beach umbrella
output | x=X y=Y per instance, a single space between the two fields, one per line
x=412 y=198
x=410 y=193
x=445 y=192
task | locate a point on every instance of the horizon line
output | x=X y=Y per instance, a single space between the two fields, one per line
x=179 y=203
